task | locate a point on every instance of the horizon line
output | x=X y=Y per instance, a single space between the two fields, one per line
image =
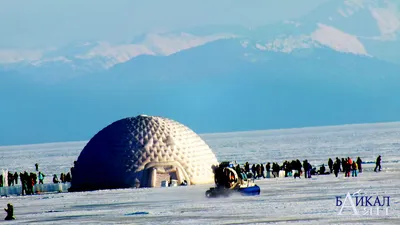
x=232 y=132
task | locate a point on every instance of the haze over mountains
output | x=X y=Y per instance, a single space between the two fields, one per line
x=338 y=64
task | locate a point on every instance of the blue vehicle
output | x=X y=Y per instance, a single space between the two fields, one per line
x=227 y=181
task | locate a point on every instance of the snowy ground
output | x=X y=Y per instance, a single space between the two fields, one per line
x=300 y=201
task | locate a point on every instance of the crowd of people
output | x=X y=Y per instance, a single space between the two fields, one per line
x=348 y=166
x=63 y=178
x=29 y=180
x=12 y=178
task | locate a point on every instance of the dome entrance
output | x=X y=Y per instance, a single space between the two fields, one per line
x=157 y=172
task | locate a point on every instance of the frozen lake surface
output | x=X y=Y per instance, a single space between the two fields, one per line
x=283 y=200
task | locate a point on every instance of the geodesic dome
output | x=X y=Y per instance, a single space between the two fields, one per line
x=147 y=149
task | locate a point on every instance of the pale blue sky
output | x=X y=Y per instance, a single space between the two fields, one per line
x=45 y=23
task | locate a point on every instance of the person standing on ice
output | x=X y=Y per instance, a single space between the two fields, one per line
x=298 y=166
x=37 y=166
x=346 y=168
x=30 y=183
x=247 y=167
x=349 y=160
x=354 y=169
x=16 y=178
x=253 y=170
x=275 y=169
x=338 y=162
x=10 y=179
x=359 y=162
x=268 y=167
x=330 y=164
x=68 y=177
x=378 y=163
x=336 y=168
x=41 y=177
x=55 y=179
x=25 y=180
x=257 y=174
x=307 y=169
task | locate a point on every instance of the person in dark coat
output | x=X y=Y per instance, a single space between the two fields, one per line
x=336 y=168
x=62 y=178
x=268 y=167
x=247 y=167
x=338 y=163
x=68 y=177
x=258 y=171
x=330 y=164
x=55 y=179
x=23 y=183
x=306 y=169
x=253 y=170
x=359 y=162
x=10 y=180
x=10 y=212
x=299 y=166
x=16 y=178
x=378 y=163
x=30 y=183
x=322 y=169
x=275 y=169
x=288 y=169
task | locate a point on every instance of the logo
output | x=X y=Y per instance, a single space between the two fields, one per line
x=363 y=205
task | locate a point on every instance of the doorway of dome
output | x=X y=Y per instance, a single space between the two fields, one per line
x=161 y=174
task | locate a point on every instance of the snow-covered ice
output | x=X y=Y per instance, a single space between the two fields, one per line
x=284 y=200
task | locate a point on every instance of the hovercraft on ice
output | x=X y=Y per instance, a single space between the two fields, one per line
x=227 y=181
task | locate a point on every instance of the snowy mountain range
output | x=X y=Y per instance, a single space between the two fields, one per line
x=361 y=27
x=339 y=64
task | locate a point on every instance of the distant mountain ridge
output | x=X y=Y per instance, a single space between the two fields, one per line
x=312 y=71
x=364 y=27
x=310 y=87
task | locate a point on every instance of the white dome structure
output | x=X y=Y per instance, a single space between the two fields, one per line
x=147 y=149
